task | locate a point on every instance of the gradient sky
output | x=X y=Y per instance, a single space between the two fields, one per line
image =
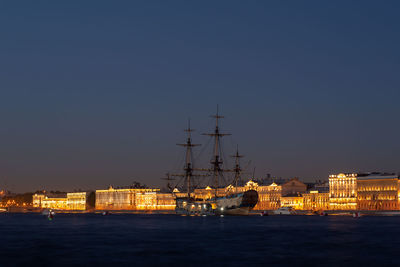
x=94 y=93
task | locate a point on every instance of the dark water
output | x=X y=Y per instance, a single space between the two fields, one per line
x=142 y=240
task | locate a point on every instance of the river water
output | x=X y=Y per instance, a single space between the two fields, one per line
x=154 y=240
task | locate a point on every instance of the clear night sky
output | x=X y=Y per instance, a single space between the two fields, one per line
x=94 y=93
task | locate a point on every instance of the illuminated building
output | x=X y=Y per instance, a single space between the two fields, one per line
x=208 y=192
x=165 y=201
x=343 y=191
x=176 y=193
x=296 y=202
x=315 y=200
x=269 y=197
x=377 y=192
x=37 y=200
x=251 y=185
x=154 y=201
x=134 y=199
x=72 y=201
x=77 y=201
x=45 y=202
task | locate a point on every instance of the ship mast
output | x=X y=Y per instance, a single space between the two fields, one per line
x=188 y=168
x=216 y=162
x=237 y=169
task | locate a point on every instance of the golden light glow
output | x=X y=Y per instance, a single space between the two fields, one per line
x=343 y=191
x=293 y=202
x=134 y=199
x=73 y=201
x=346 y=192
x=251 y=185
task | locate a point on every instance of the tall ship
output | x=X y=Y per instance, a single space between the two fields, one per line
x=221 y=202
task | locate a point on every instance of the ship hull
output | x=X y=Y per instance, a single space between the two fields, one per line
x=243 y=211
x=189 y=206
x=235 y=204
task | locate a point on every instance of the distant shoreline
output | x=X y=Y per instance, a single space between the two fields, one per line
x=172 y=212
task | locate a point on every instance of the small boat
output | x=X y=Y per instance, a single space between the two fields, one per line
x=356 y=214
x=46 y=212
x=284 y=211
x=49 y=214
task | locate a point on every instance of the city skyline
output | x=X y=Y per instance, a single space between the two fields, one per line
x=98 y=95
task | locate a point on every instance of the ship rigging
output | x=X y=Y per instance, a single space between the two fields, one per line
x=221 y=203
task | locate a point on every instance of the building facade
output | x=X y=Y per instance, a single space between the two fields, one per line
x=343 y=191
x=154 y=201
x=295 y=202
x=208 y=192
x=72 y=201
x=134 y=199
x=269 y=197
x=377 y=192
x=45 y=202
x=315 y=200
x=293 y=187
x=77 y=201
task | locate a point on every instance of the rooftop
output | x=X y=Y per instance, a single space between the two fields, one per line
x=376 y=175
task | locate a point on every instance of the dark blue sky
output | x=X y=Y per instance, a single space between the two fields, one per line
x=97 y=92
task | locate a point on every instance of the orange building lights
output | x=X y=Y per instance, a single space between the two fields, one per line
x=72 y=201
x=343 y=191
x=346 y=192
